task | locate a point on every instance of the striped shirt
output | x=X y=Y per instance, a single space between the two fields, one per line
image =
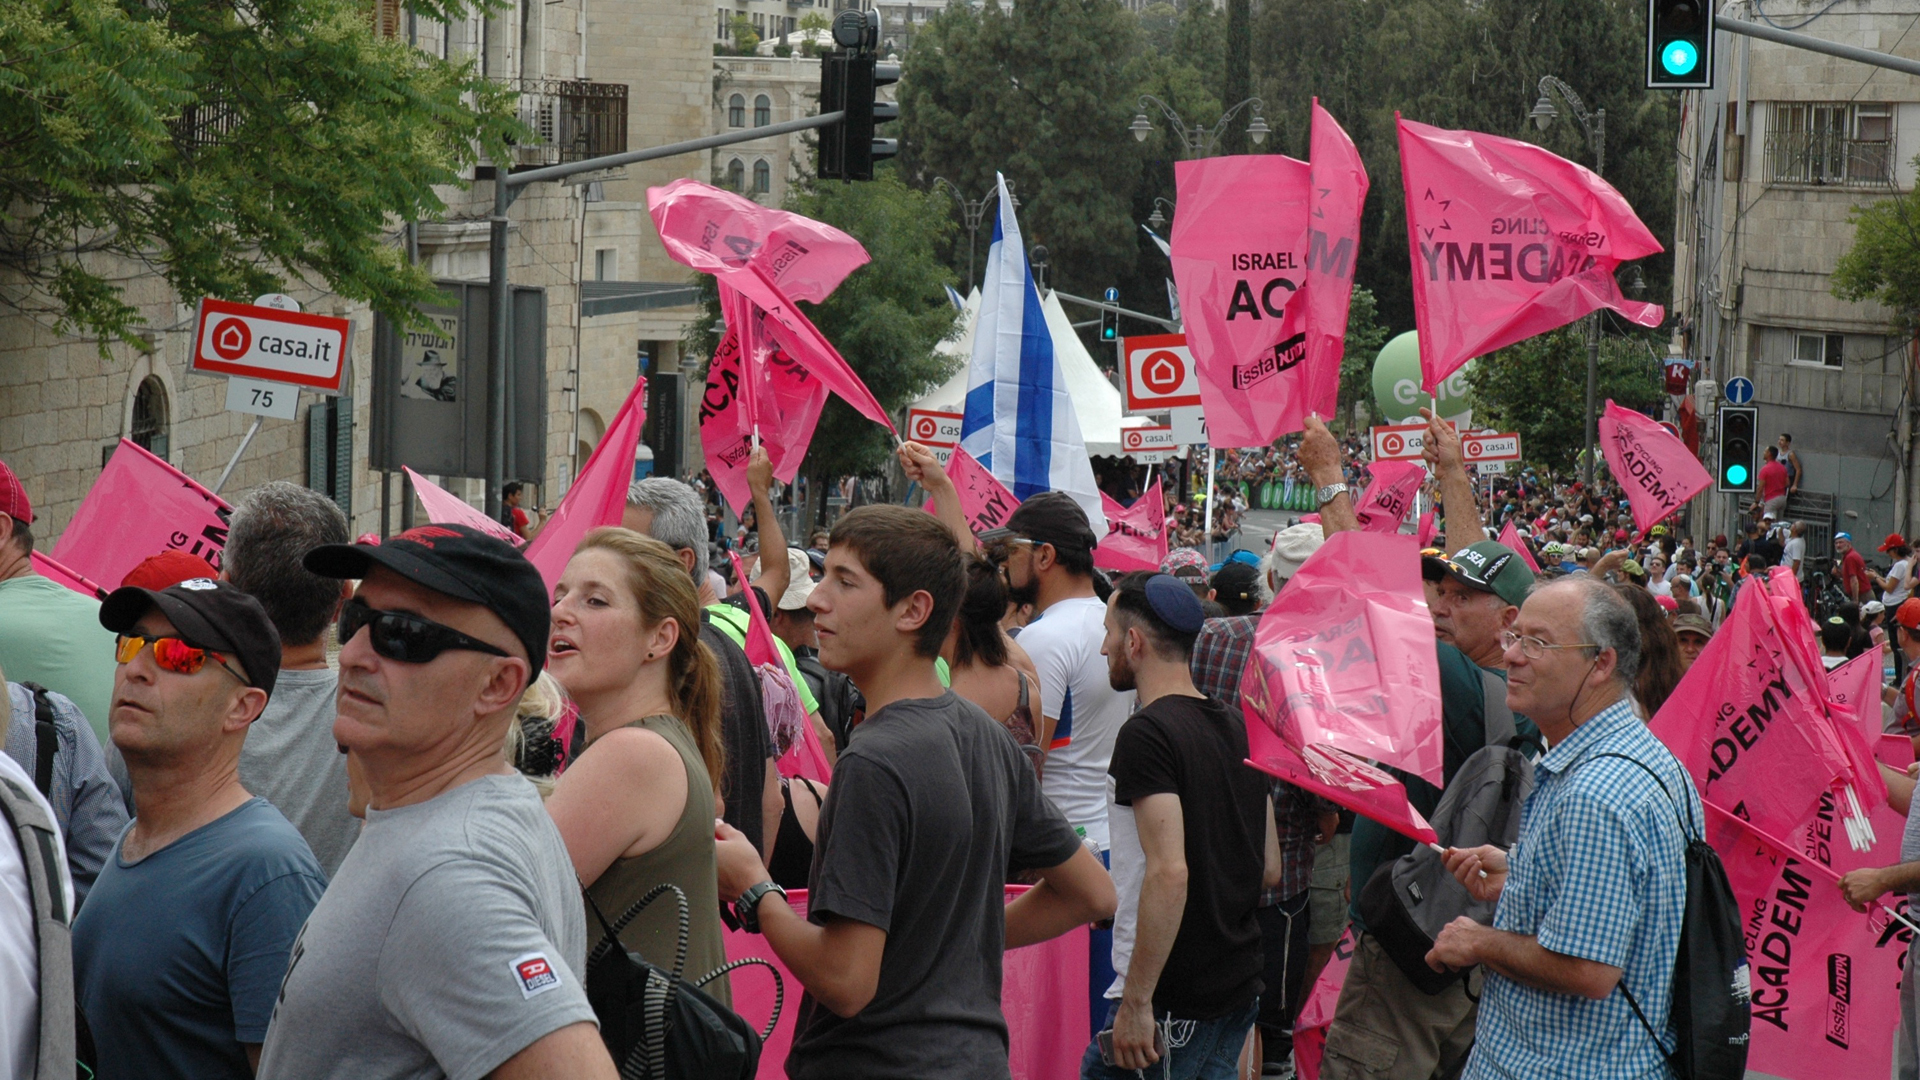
x=1599 y=873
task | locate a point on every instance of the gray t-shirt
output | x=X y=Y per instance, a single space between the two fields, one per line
x=452 y=938
x=291 y=760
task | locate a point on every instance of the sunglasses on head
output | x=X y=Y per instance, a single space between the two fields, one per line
x=173 y=654
x=404 y=637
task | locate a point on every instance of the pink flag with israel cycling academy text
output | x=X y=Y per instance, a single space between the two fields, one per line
x=754 y=390
x=1389 y=498
x=139 y=507
x=1658 y=471
x=1508 y=241
x=984 y=500
x=1136 y=535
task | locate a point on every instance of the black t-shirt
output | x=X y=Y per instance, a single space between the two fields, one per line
x=931 y=803
x=1196 y=749
x=743 y=724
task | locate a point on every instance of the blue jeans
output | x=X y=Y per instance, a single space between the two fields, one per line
x=1195 y=1049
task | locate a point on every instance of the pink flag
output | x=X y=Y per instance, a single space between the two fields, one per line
x=759 y=646
x=141 y=506
x=1426 y=532
x=1343 y=671
x=1855 y=687
x=771 y=257
x=1338 y=181
x=598 y=496
x=1508 y=241
x=1316 y=1014
x=1658 y=471
x=804 y=755
x=1239 y=252
x=771 y=395
x=1389 y=498
x=1136 y=535
x=445 y=508
x=984 y=500
x=1748 y=721
x=1510 y=536
x=46 y=567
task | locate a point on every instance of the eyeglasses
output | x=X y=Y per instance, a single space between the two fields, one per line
x=406 y=638
x=1533 y=648
x=173 y=654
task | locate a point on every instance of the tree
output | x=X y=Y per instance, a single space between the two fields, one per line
x=224 y=148
x=1538 y=388
x=1883 y=265
x=745 y=38
x=1365 y=336
x=885 y=319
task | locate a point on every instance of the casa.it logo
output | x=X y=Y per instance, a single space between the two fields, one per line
x=1135 y=441
x=925 y=427
x=1162 y=372
x=232 y=339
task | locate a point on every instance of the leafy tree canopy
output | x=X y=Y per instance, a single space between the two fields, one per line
x=1538 y=388
x=1883 y=265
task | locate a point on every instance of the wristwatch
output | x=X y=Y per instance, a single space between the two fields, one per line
x=1325 y=495
x=746 y=908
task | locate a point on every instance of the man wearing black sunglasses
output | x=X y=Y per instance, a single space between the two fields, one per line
x=452 y=939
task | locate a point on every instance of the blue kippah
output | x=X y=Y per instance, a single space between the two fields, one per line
x=1174 y=602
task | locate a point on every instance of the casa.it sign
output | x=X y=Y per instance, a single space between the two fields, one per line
x=1160 y=373
x=277 y=346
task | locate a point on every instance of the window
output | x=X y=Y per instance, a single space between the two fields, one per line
x=387 y=21
x=1831 y=143
x=1818 y=350
x=330 y=450
x=720 y=25
x=762 y=178
x=606 y=264
x=762 y=111
x=150 y=417
x=736 y=175
x=737 y=111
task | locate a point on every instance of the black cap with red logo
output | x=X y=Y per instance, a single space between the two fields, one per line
x=461 y=562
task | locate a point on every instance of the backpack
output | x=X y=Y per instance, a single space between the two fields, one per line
x=657 y=1025
x=1712 y=1010
x=40 y=853
x=45 y=738
x=1407 y=901
x=839 y=700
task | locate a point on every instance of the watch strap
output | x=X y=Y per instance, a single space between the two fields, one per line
x=746 y=909
x=1327 y=494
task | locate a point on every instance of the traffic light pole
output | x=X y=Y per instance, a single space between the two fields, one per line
x=506 y=186
x=1819 y=45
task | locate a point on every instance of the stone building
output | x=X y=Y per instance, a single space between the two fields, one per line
x=752 y=92
x=594 y=79
x=1771 y=162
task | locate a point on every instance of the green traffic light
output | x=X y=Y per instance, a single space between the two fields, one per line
x=1736 y=475
x=1679 y=57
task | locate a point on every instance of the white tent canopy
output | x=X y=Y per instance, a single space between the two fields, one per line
x=1095 y=400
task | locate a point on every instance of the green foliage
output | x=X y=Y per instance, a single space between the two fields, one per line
x=1883 y=265
x=1538 y=388
x=885 y=319
x=745 y=37
x=226 y=148
x=1365 y=336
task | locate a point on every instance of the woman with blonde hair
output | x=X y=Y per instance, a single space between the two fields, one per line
x=636 y=808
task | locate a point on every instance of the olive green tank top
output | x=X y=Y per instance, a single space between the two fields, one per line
x=685 y=859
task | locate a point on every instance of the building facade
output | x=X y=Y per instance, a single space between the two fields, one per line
x=1772 y=161
x=753 y=92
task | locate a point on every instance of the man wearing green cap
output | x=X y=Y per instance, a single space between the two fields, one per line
x=1385 y=1026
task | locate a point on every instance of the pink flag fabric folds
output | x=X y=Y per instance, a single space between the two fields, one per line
x=1343 y=671
x=1510 y=536
x=1338 y=189
x=1508 y=241
x=1389 y=499
x=140 y=506
x=772 y=258
x=598 y=496
x=1136 y=535
x=754 y=388
x=984 y=500
x=445 y=508
x=1658 y=471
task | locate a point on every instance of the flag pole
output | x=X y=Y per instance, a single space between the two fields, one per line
x=1209 y=517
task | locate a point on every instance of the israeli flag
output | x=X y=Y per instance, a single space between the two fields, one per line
x=1020 y=423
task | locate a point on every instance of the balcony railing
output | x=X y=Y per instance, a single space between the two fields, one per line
x=1827 y=158
x=570 y=121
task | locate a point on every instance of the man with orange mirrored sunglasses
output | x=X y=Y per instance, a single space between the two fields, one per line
x=179 y=950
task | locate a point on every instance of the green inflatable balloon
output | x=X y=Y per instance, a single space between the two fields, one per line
x=1396 y=384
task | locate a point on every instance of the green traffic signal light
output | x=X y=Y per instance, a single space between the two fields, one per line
x=1737 y=475
x=1679 y=58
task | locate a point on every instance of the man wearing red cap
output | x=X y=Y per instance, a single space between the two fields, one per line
x=49 y=634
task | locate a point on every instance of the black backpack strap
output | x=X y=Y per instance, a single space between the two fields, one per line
x=1686 y=831
x=1500 y=726
x=45 y=738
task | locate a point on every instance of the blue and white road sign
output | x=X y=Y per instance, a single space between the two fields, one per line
x=1739 y=390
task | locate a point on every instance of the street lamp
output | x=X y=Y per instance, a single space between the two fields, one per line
x=1157 y=219
x=973 y=212
x=1595 y=123
x=1200 y=141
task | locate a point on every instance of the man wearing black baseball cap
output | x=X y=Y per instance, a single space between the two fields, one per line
x=452 y=940
x=205 y=892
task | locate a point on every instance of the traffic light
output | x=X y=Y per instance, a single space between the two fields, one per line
x=1739 y=454
x=1110 y=320
x=850 y=77
x=1679 y=45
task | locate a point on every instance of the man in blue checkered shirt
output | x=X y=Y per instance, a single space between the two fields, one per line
x=1593 y=893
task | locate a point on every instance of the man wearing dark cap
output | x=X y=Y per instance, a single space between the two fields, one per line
x=1236 y=587
x=452 y=940
x=49 y=634
x=1193 y=846
x=179 y=949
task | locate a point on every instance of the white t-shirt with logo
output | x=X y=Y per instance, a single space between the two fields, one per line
x=1064 y=642
x=19 y=945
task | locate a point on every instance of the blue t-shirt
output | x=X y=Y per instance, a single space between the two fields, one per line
x=177 y=958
